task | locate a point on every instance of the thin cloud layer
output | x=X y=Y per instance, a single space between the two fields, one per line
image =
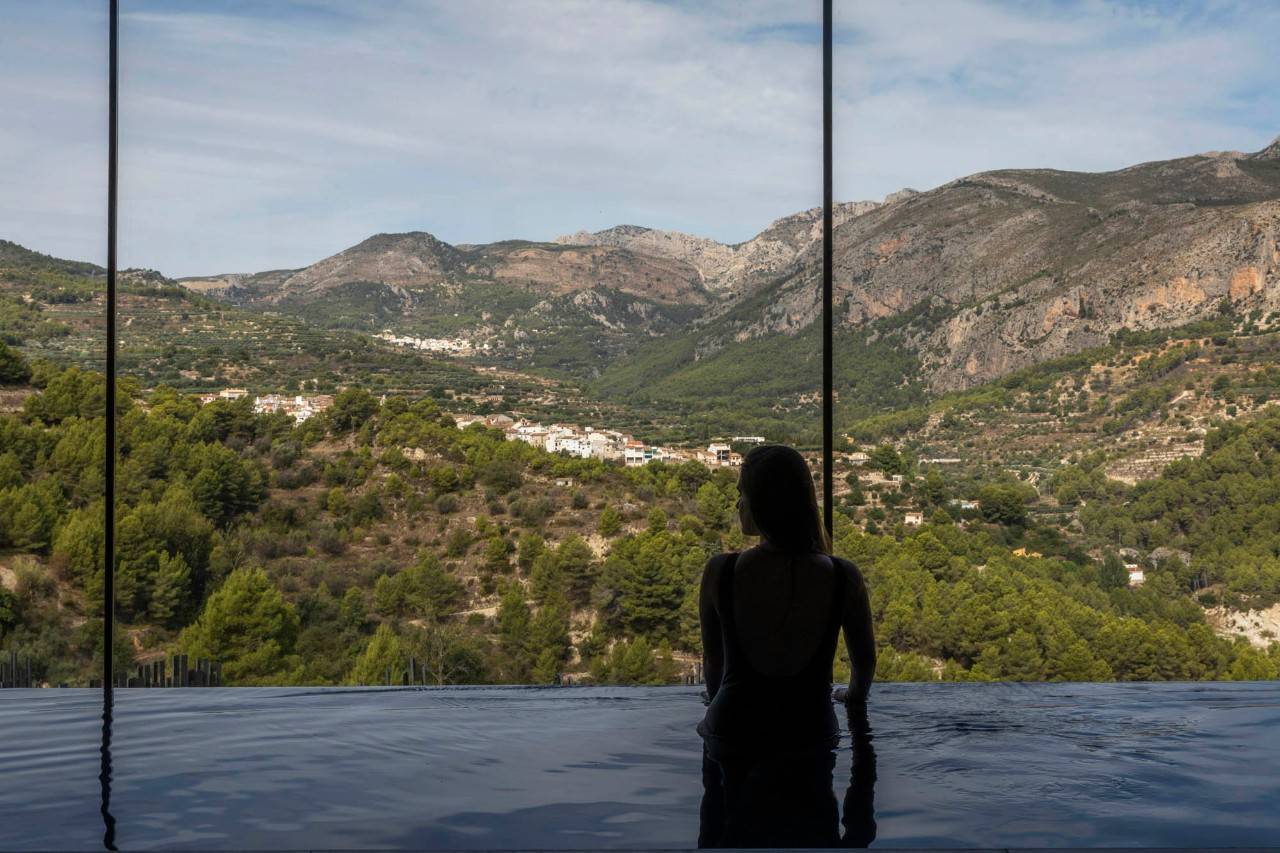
x=258 y=135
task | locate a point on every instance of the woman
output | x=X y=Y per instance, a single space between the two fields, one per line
x=771 y=616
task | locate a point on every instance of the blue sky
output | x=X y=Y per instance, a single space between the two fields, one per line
x=270 y=134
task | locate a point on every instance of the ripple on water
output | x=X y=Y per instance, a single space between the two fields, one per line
x=990 y=765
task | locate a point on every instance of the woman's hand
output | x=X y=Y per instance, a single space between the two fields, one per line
x=848 y=697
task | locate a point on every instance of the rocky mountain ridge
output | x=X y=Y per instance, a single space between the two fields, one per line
x=976 y=278
x=1000 y=270
x=725 y=268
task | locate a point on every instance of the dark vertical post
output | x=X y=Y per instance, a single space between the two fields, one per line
x=109 y=473
x=827 y=241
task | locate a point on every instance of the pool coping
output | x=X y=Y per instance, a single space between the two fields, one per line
x=743 y=850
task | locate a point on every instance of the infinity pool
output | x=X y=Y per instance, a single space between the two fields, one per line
x=954 y=765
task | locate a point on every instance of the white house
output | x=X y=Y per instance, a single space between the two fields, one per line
x=603 y=446
x=633 y=454
x=1136 y=576
x=913 y=519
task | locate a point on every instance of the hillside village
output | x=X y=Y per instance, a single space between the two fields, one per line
x=879 y=492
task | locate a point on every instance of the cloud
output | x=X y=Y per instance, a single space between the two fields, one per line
x=266 y=135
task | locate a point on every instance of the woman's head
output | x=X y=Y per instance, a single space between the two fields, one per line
x=778 y=501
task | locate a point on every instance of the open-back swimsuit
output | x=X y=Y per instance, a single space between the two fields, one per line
x=757 y=713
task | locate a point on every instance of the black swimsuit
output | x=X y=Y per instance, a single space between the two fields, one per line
x=753 y=712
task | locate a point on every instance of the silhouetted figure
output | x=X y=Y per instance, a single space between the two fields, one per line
x=771 y=618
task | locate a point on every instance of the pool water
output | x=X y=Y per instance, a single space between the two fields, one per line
x=945 y=765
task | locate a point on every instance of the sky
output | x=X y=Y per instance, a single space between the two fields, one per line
x=264 y=134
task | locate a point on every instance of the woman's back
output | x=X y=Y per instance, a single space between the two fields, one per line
x=773 y=620
x=771 y=617
x=778 y=602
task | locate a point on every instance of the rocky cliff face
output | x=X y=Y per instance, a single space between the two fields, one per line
x=985 y=275
x=735 y=270
x=1001 y=270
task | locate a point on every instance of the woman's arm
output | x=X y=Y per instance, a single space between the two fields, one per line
x=859 y=636
x=712 y=644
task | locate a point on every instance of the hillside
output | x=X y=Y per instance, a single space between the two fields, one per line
x=952 y=287
x=991 y=274
x=378 y=530
x=327 y=551
x=728 y=270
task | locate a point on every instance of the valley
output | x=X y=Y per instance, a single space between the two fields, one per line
x=1045 y=382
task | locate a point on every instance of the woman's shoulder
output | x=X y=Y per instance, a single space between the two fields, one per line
x=715 y=561
x=711 y=571
x=849 y=567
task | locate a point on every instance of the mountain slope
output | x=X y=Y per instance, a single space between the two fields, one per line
x=1002 y=270
x=938 y=290
x=732 y=270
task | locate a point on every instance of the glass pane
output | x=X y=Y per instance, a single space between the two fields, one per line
x=448 y=361
x=52 y=353
x=52 y=421
x=1038 y=342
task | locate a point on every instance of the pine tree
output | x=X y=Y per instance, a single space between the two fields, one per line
x=1016 y=658
x=549 y=629
x=428 y=589
x=10 y=470
x=547 y=578
x=388 y=598
x=14 y=369
x=1113 y=574
x=382 y=655
x=171 y=590
x=546 y=668
x=514 y=634
x=496 y=557
x=578 y=567
x=530 y=547
x=354 y=609
x=638 y=665
x=713 y=508
x=657 y=520
x=610 y=522
x=247 y=626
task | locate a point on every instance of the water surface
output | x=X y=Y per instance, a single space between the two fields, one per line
x=956 y=765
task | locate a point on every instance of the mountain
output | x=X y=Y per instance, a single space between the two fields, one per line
x=571 y=305
x=561 y=307
x=728 y=269
x=417 y=261
x=1002 y=270
x=934 y=291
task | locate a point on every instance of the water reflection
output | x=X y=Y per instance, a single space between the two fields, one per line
x=770 y=801
x=104 y=774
